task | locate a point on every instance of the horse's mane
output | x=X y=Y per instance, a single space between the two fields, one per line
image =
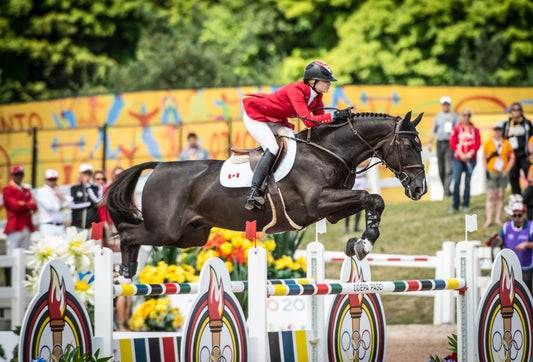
x=355 y=116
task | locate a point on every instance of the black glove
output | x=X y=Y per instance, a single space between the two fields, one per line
x=343 y=114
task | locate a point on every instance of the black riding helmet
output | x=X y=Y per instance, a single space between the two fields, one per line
x=320 y=71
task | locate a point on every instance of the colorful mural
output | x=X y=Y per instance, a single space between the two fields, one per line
x=135 y=127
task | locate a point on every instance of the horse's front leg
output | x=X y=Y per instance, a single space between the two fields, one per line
x=338 y=204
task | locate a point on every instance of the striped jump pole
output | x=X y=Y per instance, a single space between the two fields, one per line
x=399 y=286
x=192 y=288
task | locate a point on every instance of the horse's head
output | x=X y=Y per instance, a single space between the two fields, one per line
x=403 y=156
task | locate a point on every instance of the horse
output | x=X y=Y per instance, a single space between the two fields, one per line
x=183 y=200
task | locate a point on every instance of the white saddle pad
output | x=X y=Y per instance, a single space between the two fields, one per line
x=240 y=174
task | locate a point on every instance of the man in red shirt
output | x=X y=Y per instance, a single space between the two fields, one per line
x=264 y=114
x=20 y=206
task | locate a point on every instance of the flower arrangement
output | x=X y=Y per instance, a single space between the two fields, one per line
x=76 y=250
x=173 y=266
x=156 y=314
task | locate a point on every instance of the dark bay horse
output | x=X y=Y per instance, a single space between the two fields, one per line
x=181 y=201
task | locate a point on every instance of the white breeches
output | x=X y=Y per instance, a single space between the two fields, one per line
x=18 y=239
x=263 y=132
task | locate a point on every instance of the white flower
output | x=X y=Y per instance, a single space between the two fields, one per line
x=75 y=250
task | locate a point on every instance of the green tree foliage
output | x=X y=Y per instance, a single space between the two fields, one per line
x=421 y=42
x=53 y=47
x=65 y=47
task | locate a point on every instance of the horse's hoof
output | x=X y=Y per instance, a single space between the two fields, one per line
x=362 y=248
x=123 y=280
x=349 y=248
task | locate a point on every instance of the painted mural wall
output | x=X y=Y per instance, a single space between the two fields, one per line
x=153 y=125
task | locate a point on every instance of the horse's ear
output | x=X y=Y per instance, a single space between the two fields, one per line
x=418 y=118
x=407 y=118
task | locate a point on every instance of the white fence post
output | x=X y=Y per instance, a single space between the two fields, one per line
x=444 y=306
x=465 y=303
x=257 y=305
x=315 y=269
x=103 y=309
x=18 y=275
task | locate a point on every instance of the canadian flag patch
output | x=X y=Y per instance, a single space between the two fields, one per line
x=235 y=175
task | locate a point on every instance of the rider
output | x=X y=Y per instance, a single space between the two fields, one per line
x=264 y=114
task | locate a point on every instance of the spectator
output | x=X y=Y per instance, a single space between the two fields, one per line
x=99 y=178
x=517 y=235
x=86 y=198
x=51 y=202
x=518 y=130
x=20 y=205
x=193 y=150
x=442 y=128
x=464 y=141
x=528 y=193
x=111 y=239
x=359 y=184
x=498 y=159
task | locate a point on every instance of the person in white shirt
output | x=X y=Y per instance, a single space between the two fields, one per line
x=50 y=203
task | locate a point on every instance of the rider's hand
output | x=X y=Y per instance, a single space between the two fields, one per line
x=343 y=114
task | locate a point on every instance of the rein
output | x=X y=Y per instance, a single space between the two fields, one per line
x=401 y=175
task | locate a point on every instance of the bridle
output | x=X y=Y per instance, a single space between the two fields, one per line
x=400 y=174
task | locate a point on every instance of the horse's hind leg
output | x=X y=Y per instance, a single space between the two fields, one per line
x=130 y=243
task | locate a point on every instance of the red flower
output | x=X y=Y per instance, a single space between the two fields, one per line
x=214 y=242
x=238 y=255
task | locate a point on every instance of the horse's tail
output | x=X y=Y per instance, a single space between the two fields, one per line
x=119 y=195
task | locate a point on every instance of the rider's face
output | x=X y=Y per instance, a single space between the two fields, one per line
x=322 y=86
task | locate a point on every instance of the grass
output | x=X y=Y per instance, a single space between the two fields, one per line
x=409 y=228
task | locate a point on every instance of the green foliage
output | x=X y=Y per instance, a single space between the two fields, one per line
x=168 y=254
x=287 y=243
x=62 y=48
x=452 y=347
x=73 y=355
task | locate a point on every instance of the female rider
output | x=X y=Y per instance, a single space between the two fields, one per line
x=265 y=113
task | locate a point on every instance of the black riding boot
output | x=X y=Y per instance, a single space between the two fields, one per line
x=256 y=197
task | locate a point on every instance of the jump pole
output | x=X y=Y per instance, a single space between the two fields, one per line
x=466 y=310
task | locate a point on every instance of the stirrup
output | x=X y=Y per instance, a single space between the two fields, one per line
x=252 y=204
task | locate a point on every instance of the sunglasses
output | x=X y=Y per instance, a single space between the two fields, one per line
x=18 y=174
x=518 y=215
x=52 y=179
x=100 y=179
x=467 y=115
x=87 y=172
x=516 y=109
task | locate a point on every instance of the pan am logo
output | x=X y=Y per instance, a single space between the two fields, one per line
x=56 y=318
x=506 y=314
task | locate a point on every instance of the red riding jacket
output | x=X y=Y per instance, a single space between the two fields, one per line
x=287 y=102
x=18 y=214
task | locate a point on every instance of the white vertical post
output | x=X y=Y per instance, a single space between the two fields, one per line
x=315 y=269
x=103 y=309
x=18 y=303
x=444 y=307
x=257 y=305
x=465 y=303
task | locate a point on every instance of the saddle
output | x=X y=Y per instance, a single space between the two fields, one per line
x=252 y=155
x=280 y=221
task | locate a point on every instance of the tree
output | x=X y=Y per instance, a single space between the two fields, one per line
x=59 y=47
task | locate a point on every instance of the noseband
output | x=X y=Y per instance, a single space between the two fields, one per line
x=400 y=174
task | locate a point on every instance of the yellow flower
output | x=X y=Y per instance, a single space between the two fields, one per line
x=226 y=248
x=80 y=285
x=269 y=245
x=237 y=240
x=229 y=265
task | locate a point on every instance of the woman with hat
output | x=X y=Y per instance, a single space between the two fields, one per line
x=517 y=235
x=498 y=160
